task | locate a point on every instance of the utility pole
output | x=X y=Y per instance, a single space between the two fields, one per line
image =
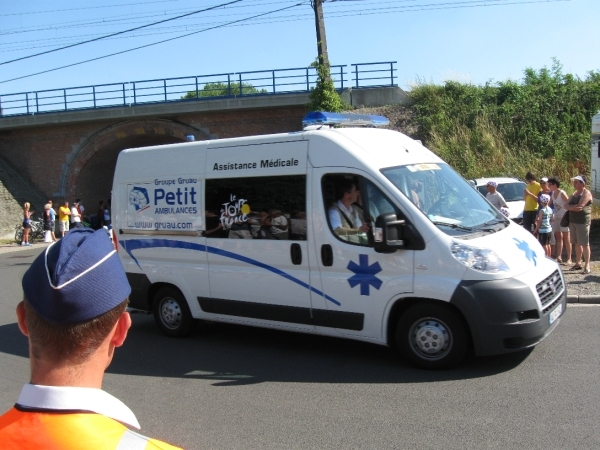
x=321 y=38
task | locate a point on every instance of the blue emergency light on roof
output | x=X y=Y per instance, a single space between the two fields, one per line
x=347 y=120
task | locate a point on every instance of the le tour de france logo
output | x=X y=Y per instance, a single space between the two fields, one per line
x=235 y=211
x=138 y=198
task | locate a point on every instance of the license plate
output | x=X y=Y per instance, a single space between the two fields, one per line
x=556 y=313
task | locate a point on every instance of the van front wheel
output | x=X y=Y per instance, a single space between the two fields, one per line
x=432 y=336
x=172 y=313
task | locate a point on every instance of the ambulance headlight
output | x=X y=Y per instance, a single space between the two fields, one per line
x=481 y=259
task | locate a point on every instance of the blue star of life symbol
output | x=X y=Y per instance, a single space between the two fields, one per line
x=364 y=274
x=529 y=253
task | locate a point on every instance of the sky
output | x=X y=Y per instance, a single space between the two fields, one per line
x=473 y=41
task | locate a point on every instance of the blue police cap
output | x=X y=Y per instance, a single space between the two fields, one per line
x=76 y=279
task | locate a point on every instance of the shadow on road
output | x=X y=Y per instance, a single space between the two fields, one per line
x=235 y=355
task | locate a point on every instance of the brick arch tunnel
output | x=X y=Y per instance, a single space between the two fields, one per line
x=89 y=173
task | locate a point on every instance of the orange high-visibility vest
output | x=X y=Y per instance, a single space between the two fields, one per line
x=32 y=430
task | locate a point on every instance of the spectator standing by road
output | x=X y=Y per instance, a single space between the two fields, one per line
x=100 y=215
x=72 y=339
x=63 y=218
x=561 y=234
x=580 y=219
x=107 y=214
x=543 y=226
x=75 y=216
x=53 y=219
x=26 y=224
x=545 y=190
x=47 y=223
x=495 y=197
x=80 y=208
x=531 y=201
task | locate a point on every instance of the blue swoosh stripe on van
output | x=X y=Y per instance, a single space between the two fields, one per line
x=135 y=244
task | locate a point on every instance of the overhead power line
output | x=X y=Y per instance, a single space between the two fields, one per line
x=86 y=8
x=337 y=9
x=119 y=32
x=124 y=18
x=332 y=14
x=152 y=44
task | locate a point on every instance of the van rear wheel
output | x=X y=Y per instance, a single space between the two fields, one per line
x=432 y=336
x=172 y=313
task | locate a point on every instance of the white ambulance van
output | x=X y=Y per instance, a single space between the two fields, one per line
x=355 y=232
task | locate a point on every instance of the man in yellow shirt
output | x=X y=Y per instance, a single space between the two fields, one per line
x=74 y=315
x=530 y=194
x=63 y=218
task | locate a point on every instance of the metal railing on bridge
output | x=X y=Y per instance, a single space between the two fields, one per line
x=193 y=88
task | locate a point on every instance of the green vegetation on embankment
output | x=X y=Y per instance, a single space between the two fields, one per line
x=541 y=123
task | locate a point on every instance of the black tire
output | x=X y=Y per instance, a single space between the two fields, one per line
x=432 y=336
x=19 y=235
x=171 y=312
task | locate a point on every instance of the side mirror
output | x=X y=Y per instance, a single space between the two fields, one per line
x=388 y=233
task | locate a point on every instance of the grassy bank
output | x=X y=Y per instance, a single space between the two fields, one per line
x=540 y=124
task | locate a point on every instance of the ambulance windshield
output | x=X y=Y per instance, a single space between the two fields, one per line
x=447 y=200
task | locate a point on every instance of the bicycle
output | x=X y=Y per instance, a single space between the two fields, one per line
x=36 y=233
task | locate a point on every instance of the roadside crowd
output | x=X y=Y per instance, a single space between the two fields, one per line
x=558 y=220
x=68 y=218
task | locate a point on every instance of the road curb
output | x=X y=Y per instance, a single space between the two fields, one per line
x=10 y=248
x=584 y=299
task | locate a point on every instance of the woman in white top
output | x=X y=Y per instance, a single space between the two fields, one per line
x=559 y=198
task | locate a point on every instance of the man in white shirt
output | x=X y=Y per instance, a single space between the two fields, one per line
x=75 y=216
x=344 y=217
x=81 y=208
x=74 y=316
x=495 y=197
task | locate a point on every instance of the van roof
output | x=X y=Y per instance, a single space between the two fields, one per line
x=376 y=148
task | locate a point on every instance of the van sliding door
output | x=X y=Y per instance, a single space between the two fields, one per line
x=256 y=235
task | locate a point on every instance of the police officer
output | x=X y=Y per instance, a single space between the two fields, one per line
x=74 y=315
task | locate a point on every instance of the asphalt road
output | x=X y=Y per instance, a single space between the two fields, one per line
x=231 y=387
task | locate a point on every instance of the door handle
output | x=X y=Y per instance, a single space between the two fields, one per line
x=296 y=254
x=326 y=255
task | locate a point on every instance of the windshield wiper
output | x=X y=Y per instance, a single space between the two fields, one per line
x=455 y=226
x=490 y=223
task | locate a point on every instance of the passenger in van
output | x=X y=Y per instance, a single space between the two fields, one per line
x=415 y=188
x=298 y=226
x=278 y=225
x=344 y=216
x=255 y=223
x=214 y=227
x=240 y=229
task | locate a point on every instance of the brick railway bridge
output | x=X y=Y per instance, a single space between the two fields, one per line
x=72 y=154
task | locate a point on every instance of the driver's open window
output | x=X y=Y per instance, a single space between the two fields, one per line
x=353 y=203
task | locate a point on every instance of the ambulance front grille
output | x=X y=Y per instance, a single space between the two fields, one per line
x=549 y=290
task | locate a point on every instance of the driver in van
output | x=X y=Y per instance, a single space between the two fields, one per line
x=344 y=216
x=415 y=188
